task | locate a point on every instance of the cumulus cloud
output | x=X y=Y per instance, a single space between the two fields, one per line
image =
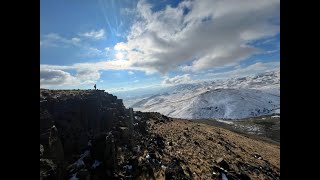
x=198 y=35
x=193 y=36
x=179 y=79
x=99 y=34
x=119 y=55
x=86 y=73
x=54 y=77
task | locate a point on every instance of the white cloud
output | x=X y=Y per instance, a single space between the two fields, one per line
x=194 y=36
x=130 y=72
x=55 y=40
x=212 y=34
x=248 y=70
x=239 y=71
x=54 y=77
x=75 y=40
x=179 y=79
x=135 y=81
x=272 y=51
x=86 y=73
x=99 y=34
x=119 y=55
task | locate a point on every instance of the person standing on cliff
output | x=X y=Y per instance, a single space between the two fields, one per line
x=95 y=87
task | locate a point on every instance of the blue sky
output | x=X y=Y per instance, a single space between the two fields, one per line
x=131 y=44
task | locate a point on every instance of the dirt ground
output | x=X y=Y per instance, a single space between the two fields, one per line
x=200 y=147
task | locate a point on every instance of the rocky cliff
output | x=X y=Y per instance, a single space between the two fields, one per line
x=77 y=122
x=90 y=135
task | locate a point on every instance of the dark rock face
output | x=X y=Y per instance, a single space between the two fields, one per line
x=55 y=146
x=78 y=118
x=73 y=122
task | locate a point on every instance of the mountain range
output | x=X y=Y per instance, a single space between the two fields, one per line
x=232 y=98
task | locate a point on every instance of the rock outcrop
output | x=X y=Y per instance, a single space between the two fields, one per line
x=90 y=135
x=75 y=122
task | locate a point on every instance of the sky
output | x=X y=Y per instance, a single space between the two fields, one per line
x=124 y=45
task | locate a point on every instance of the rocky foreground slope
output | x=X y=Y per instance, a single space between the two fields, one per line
x=90 y=135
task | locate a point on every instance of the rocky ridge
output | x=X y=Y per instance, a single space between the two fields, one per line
x=89 y=134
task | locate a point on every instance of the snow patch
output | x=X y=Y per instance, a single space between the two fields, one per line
x=223 y=121
x=74 y=177
x=96 y=164
x=233 y=98
x=224 y=177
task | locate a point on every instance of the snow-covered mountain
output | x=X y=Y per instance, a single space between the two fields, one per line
x=233 y=98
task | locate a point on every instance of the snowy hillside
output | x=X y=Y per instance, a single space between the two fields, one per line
x=233 y=98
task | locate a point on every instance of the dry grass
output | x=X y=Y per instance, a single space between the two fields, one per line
x=191 y=144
